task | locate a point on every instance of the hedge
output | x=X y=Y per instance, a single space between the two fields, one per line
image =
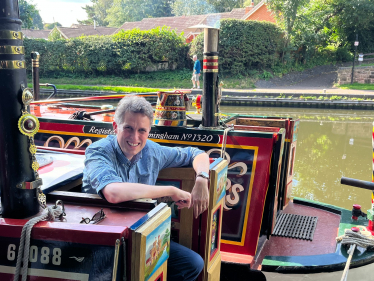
x=244 y=45
x=126 y=51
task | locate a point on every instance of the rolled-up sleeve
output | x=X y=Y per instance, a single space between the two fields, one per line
x=99 y=169
x=178 y=156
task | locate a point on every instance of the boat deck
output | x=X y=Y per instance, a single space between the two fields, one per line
x=323 y=241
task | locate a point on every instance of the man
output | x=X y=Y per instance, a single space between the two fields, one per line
x=125 y=167
x=196 y=72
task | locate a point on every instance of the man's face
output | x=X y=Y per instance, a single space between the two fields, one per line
x=194 y=58
x=132 y=134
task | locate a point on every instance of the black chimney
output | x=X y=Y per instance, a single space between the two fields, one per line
x=210 y=75
x=17 y=178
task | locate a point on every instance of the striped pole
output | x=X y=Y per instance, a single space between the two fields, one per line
x=210 y=76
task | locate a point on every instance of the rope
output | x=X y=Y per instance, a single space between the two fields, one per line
x=223 y=150
x=50 y=213
x=363 y=240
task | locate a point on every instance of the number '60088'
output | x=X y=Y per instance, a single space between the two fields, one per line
x=45 y=255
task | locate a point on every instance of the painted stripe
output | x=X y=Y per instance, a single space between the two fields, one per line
x=211 y=57
x=170 y=108
x=210 y=67
x=207 y=61
x=210 y=70
x=48 y=273
x=205 y=144
x=211 y=63
x=72 y=133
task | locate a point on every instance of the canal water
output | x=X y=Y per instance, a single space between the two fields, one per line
x=331 y=144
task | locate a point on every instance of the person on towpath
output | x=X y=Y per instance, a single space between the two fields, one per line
x=125 y=167
x=196 y=72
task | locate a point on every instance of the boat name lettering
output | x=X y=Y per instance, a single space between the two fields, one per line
x=98 y=131
x=46 y=256
x=197 y=137
x=164 y=136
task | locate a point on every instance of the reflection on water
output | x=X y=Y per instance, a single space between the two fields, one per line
x=331 y=144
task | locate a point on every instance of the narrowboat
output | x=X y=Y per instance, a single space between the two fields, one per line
x=253 y=229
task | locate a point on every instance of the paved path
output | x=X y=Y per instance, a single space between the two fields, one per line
x=311 y=91
x=296 y=91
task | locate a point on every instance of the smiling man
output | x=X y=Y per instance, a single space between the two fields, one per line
x=126 y=166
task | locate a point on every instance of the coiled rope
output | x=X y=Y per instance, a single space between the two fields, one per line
x=363 y=240
x=50 y=213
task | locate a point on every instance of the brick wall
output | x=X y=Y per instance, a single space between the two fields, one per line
x=362 y=75
x=262 y=14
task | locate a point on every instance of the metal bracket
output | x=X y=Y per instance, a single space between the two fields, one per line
x=30 y=185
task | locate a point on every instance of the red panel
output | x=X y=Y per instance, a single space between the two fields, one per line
x=113 y=227
x=74 y=128
x=258 y=194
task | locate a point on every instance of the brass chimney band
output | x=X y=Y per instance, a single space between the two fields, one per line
x=12 y=64
x=12 y=50
x=10 y=34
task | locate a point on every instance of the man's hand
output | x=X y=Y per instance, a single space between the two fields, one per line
x=200 y=196
x=181 y=198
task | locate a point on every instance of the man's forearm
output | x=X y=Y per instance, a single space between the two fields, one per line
x=201 y=163
x=123 y=191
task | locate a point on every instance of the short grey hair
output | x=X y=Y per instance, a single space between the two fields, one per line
x=194 y=56
x=134 y=104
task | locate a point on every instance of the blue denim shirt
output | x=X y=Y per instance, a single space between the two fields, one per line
x=105 y=163
x=197 y=67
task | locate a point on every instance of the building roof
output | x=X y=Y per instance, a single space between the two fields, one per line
x=36 y=34
x=252 y=11
x=85 y=30
x=182 y=23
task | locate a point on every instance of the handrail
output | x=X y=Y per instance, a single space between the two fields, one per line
x=89 y=98
x=108 y=97
x=357 y=183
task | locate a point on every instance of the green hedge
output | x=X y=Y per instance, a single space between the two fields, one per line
x=126 y=51
x=244 y=45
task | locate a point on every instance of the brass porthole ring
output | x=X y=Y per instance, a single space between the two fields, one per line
x=28 y=125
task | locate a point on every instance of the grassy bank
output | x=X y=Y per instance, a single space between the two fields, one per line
x=180 y=79
x=357 y=86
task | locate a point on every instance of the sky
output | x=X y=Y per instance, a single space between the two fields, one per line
x=65 y=12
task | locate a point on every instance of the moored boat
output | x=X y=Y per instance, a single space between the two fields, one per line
x=265 y=235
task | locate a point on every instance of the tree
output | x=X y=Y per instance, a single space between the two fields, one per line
x=221 y=6
x=133 y=10
x=51 y=25
x=311 y=26
x=30 y=16
x=97 y=12
x=191 y=7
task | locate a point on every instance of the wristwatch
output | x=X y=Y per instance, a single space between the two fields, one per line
x=203 y=175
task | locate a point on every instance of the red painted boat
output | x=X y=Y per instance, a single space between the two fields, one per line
x=253 y=230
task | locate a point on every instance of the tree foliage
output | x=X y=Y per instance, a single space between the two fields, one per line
x=126 y=51
x=51 y=25
x=133 y=10
x=30 y=16
x=311 y=26
x=97 y=12
x=244 y=45
x=191 y=7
